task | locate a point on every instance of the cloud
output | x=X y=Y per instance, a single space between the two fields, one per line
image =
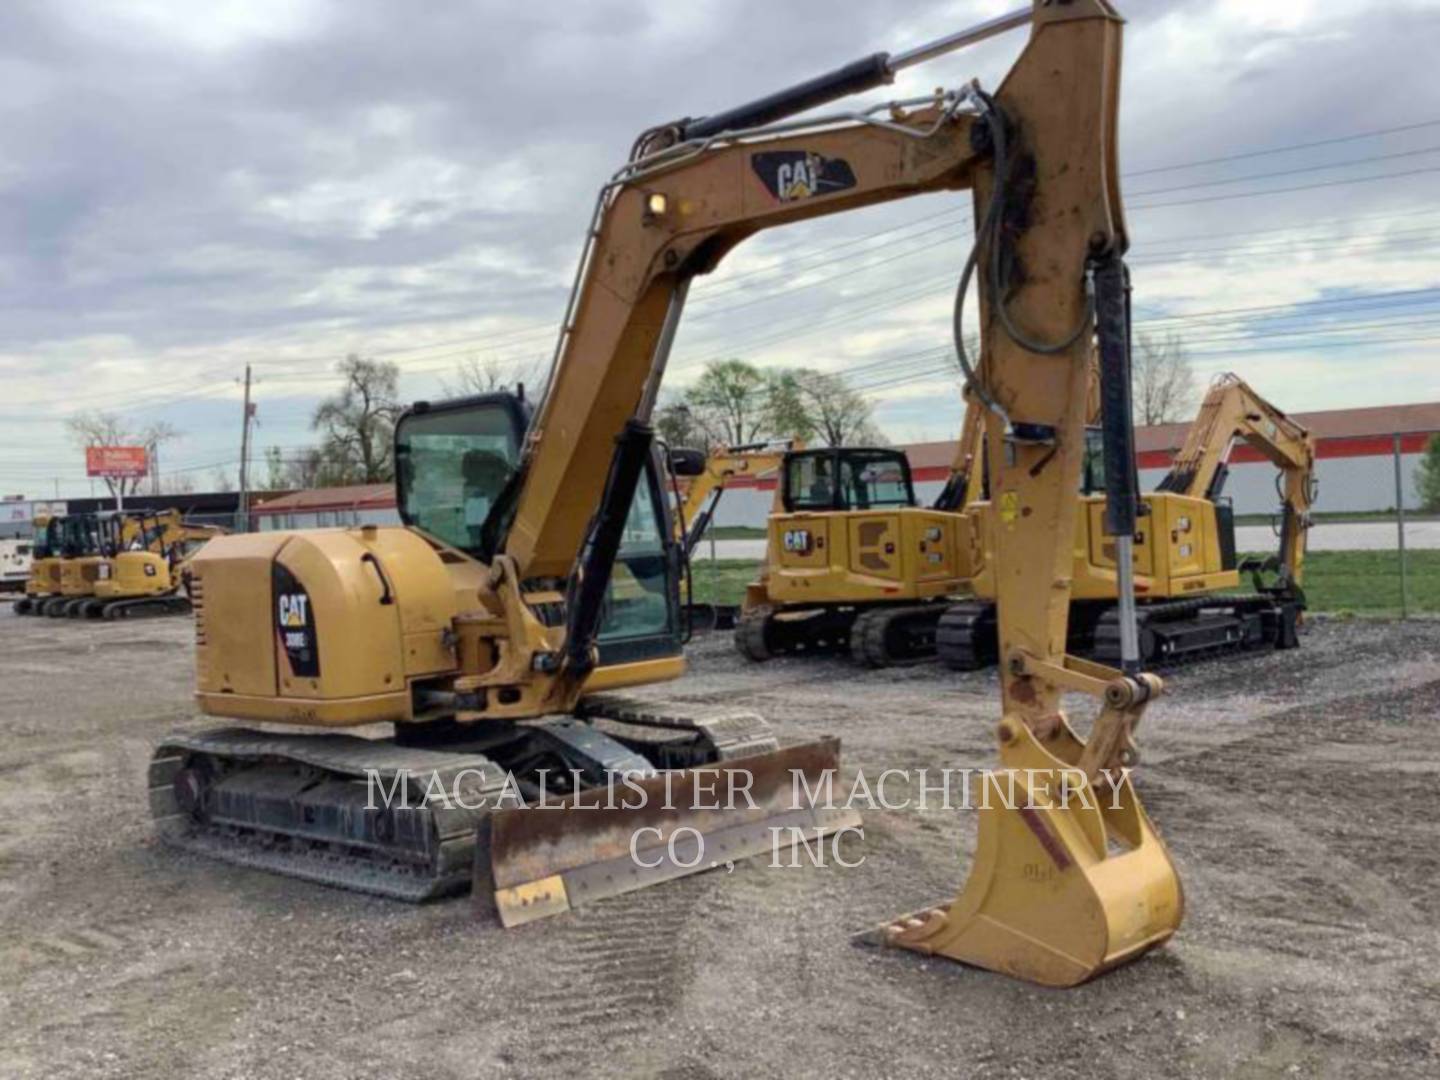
x=188 y=188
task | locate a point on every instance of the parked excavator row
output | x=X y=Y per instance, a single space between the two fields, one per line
x=853 y=562
x=67 y=557
x=112 y=565
x=536 y=571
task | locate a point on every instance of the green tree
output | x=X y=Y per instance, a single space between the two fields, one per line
x=788 y=417
x=1427 y=475
x=731 y=401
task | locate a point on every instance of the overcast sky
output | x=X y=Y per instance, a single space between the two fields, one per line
x=186 y=187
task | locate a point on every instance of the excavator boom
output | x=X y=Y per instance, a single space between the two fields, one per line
x=1232 y=411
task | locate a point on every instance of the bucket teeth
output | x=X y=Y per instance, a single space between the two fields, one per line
x=1060 y=890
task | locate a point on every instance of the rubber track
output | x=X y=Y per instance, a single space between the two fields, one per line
x=871 y=631
x=723 y=735
x=453 y=830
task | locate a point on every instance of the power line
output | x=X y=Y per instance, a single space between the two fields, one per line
x=1286 y=190
x=1285 y=149
x=736 y=282
x=1287 y=172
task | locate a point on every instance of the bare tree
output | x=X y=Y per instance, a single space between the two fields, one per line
x=220 y=480
x=1164 y=380
x=89 y=429
x=834 y=411
x=177 y=483
x=677 y=424
x=476 y=376
x=358 y=423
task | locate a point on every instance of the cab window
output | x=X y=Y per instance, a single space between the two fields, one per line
x=452 y=466
x=872 y=479
x=638 y=604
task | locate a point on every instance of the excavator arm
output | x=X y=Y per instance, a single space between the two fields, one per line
x=1040 y=158
x=1231 y=411
x=666 y=217
x=702 y=496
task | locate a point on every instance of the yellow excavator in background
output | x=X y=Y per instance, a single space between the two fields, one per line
x=484 y=629
x=144 y=574
x=852 y=561
x=77 y=567
x=44 y=578
x=1187 y=573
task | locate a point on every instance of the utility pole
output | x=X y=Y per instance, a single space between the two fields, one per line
x=155 y=468
x=242 y=514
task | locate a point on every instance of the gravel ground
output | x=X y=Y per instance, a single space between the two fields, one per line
x=1295 y=791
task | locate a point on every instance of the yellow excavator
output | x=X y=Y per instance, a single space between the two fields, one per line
x=482 y=630
x=852 y=561
x=1187 y=574
x=146 y=562
x=44 y=579
x=77 y=556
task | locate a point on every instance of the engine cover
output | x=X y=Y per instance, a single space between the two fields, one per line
x=320 y=627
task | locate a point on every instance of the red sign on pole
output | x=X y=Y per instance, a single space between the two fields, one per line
x=116 y=461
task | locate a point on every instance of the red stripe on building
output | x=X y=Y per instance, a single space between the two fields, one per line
x=1242 y=454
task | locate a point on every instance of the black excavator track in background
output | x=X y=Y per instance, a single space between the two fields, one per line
x=762 y=634
x=875 y=637
x=965 y=637
x=134 y=607
x=892 y=636
x=1170 y=633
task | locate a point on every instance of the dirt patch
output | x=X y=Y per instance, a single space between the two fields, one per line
x=1294 y=790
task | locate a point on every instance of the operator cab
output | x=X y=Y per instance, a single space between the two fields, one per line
x=79 y=536
x=457 y=477
x=846 y=478
x=47 y=540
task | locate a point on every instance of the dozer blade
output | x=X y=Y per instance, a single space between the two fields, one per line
x=546 y=860
x=1064 y=886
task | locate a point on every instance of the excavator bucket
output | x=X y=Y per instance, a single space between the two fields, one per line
x=544 y=860
x=1066 y=883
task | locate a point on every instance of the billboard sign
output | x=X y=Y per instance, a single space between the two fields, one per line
x=116 y=461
